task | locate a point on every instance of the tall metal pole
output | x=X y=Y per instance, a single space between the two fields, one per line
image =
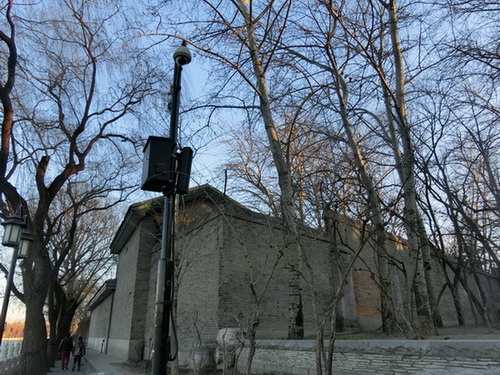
x=164 y=300
x=163 y=293
x=8 y=288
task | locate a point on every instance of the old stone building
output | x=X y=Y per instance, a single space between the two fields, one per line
x=230 y=262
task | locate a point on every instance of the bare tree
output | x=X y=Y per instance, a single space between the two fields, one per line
x=368 y=34
x=67 y=116
x=352 y=65
x=250 y=30
x=81 y=234
x=459 y=164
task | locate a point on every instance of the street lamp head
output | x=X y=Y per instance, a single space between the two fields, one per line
x=12 y=230
x=182 y=55
x=24 y=244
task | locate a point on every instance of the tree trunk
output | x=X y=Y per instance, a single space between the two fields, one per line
x=36 y=271
x=52 y=312
x=320 y=335
x=457 y=302
x=427 y=259
x=405 y=165
x=331 y=346
x=65 y=319
x=33 y=359
x=295 y=316
x=252 y=348
x=418 y=282
x=340 y=272
x=374 y=206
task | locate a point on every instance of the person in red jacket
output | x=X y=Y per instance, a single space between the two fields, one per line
x=65 y=347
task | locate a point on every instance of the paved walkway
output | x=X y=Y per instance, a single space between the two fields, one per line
x=96 y=363
x=56 y=370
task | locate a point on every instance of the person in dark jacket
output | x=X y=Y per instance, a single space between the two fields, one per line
x=78 y=353
x=65 y=347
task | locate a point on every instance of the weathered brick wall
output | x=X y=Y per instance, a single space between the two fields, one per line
x=197 y=271
x=222 y=252
x=367 y=300
x=367 y=292
x=251 y=253
x=252 y=260
x=447 y=309
x=492 y=282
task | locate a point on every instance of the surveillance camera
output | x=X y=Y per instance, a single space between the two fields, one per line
x=182 y=56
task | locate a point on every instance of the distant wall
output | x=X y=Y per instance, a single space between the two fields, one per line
x=254 y=256
x=491 y=286
x=251 y=255
x=149 y=315
x=121 y=323
x=99 y=325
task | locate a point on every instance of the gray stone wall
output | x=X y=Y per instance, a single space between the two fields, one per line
x=99 y=324
x=252 y=260
x=147 y=240
x=378 y=357
x=131 y=295
x=197 y=285
x=121 y=323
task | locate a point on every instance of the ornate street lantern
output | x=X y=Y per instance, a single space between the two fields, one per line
x=24 y=244
x=13 y=227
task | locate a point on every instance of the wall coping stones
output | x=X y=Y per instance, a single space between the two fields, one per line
x=455 y=348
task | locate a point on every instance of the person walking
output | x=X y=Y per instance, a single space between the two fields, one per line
x=78 y=353
x=65 y=347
